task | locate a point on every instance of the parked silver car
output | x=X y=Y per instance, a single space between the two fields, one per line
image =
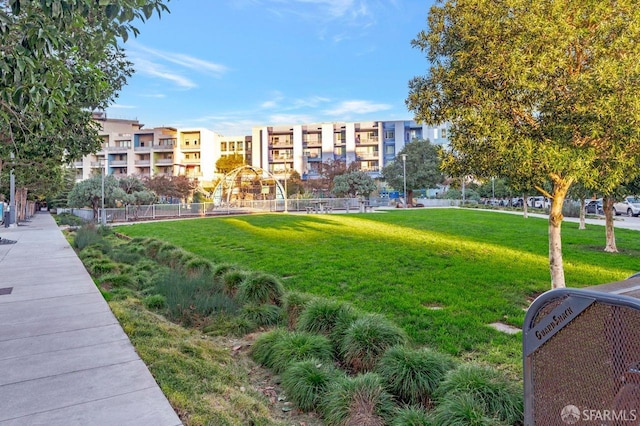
x=629 y=206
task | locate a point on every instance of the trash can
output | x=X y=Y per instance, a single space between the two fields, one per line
x=6 y=218
x=581 y=354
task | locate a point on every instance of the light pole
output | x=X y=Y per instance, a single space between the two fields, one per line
x=12 y=195
x=103 y=213
x=404 y=177
x=286 y=210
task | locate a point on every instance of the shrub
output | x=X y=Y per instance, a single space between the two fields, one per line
x=413 y=375
x=262 y=348
x=127 y=254
x=69 y=219
x=91 y=253
x=367 y=339
x=361 y=400
x=501 y=397
x=413 y=416
x=155 y=301
x=100 y=266
x=463 y=410
x=306 y=382
x=260 y=288
x=298 y=346
x=152 y=246
x=231 y=280
x=221 y=269
x=262 y=315
x=294 y=303
x=85 y=236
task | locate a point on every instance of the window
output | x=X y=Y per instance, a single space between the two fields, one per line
x=223 y=146
x=443 y=133
x=389 y=134
x=239 y=145
x=186 y=142
x=232 y=146
x=390 y=150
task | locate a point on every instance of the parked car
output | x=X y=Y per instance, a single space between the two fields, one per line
x=538 y=202
x=629 y=206
x=594 y=207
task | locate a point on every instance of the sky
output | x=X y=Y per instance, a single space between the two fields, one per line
x=230 y=65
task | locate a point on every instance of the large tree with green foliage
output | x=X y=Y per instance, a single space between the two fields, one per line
x=353 y=184
x=61 y=60
x=422 y=164
x=229 y=163
x=547 y=90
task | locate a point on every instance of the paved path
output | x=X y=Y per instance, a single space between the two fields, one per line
x=64 y=359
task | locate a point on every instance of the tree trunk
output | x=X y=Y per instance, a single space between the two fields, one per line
x=524 y=205
x=610 y=236
x=556 y=267
x=582 y=223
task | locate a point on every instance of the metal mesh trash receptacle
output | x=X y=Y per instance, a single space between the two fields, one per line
x=581 y=350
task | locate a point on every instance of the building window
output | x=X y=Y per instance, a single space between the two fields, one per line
x=240 y=144
x=223 y=146
x=443 y=133
x=232 y=146
x=389 y=134
x=390 y=150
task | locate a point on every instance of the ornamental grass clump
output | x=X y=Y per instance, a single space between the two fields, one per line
x=413 y=375
x=501 y=397
x=262 y=315
x=367 y=339
x=294 y=304
x=262 y=348
x=413 y=416
x=231 y=280
x=463 y=410
x=306 y=382
x=261 y=288
x=195 y=266
x=330 y=318
x=117 y=280
x=298 y=346
x=361 y=400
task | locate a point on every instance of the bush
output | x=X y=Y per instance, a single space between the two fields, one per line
x=128 y=254
x=413 y=416
x=298 y=346
x=294 y=304
x=100 y=266
x=500 y=397
x=261 y=288
x=69 y=219
x=361 y=400
x=152 y=247
x=328 y=317
x=367 y=339
x=85 y=236
x=231 y=280
x=262 y=315
x=262 y=348
x=222 y=269
x=306 y=382
x=463 y=410
x=413 y=375
x=155 y=301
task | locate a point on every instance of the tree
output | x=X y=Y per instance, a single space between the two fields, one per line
x=88 y=193
x=61 y=60
x=422 y=167
x=542 y=90
x=353 y=184
x=179 y=187
x=226 y=164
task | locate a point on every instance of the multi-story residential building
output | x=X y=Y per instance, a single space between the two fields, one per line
x=129 y=149
x=304 y=147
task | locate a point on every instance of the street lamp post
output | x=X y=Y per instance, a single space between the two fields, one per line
x=286 y=210
x=404 y=177
x=103 y=213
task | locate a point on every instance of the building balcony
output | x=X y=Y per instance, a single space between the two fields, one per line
x=142 y=148
x=118 y=148
x=142 y=163
x=166 y=161
x=367 y=156
x=190 y=161
x=77 y=164
x=118 y=163
x=369 y=141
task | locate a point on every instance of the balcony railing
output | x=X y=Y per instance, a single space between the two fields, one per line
x=116 y=163
x=168 y=161
x=142 y=162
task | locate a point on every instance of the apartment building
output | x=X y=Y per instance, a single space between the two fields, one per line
x=304 y=147
x=129 y=150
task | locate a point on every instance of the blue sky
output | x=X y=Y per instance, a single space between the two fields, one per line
x=230 y=65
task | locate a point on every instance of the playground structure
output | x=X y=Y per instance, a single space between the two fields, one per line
x=247 y=184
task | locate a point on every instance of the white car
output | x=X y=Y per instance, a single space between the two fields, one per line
x=629 y=206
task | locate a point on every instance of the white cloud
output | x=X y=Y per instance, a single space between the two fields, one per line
x=186 y=61
x=290 y=119
x=357 y=107
x=120 y=106
x=153 y=69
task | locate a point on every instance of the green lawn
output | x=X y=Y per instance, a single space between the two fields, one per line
x=478 y=266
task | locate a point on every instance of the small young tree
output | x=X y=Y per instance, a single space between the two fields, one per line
x=353 y=184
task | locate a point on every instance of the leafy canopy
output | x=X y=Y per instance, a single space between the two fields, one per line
x=422 y=166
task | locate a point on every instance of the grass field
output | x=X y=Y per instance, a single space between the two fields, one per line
x=475 y=267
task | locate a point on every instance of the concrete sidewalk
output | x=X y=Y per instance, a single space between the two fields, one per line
x=64 y=359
